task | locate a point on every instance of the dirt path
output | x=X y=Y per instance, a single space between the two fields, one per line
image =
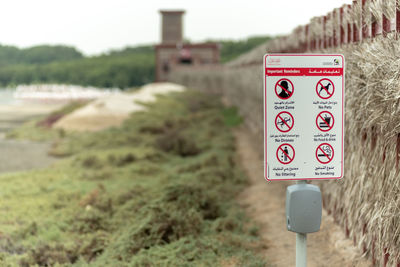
x=265 y=203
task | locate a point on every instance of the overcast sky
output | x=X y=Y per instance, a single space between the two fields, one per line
x=95 y=26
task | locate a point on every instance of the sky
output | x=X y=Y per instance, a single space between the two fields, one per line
x=97 y=26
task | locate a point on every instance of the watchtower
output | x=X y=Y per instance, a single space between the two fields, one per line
x=172 y=26
x=173 y=54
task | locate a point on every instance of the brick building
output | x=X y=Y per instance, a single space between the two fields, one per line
x=174 y=53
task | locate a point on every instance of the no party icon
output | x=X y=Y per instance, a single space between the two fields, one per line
x=324 y=153
x=285 y=153
x=284 y=121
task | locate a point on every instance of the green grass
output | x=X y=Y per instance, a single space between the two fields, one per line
x=231 y=117
x=159 y=191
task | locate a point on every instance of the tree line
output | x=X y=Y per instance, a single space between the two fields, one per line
x=128 y=67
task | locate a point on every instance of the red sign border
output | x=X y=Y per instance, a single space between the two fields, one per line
x=277 y=124
x=333 y=86
x=316 y=121
x=277 y=85
x=265 y=118
x=294 y=153
x=316 y=153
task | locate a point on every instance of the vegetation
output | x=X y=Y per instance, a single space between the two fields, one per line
x=232 y=49
x=129 y=67
x=10 y=55
x=159 y=191
x=126 y=68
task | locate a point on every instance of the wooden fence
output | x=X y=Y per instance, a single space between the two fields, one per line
x=361 y=21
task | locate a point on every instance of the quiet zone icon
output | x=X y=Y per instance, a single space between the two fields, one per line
x=285 y=153
x=284 y=89
x=325 y=88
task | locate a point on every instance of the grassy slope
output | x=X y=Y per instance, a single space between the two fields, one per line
x=158 y=191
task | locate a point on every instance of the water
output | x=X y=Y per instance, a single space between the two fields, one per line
x=7 y=97
x=14 y=111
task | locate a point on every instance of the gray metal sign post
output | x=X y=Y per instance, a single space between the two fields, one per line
x=301 y=244
x=303 y=215
x=301 y=250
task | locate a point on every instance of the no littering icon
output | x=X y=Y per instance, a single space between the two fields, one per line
x=285 y=153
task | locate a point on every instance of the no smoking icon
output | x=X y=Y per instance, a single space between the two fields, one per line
x=324 y=153
x=325 y=121
x=325 y=88
x=285 y=153
x=284 y=122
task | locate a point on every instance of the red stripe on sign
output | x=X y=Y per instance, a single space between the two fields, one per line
x=304 y=71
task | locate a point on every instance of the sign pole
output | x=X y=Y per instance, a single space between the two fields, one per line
x=301 y=243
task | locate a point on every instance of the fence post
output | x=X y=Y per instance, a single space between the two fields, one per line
x=388 y=17
x=365 y=26
x=307 y=36
x=397 y=16
x=349 y=28
x=321 y=35
x=375 y=26
x=385 y=25
x=336 y=27
x=325 y=38
x=341 y=23
x=331 y=28
x=356 y=30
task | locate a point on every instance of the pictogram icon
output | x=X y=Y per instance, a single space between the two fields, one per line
x=325 y=88
x=284 y=122
x=284 y=89
x=324 y=153
x=325 y=121
x=285 y=153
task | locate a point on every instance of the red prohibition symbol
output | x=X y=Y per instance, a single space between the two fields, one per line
x=285 y=153
x=284 y=89
x=284 y=122
x=324 y=153
x=325 y=121
x=325 y=88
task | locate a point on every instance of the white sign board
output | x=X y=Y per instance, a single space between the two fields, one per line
x=303 y=116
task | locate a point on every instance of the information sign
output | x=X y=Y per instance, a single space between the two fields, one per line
x=303 y=116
